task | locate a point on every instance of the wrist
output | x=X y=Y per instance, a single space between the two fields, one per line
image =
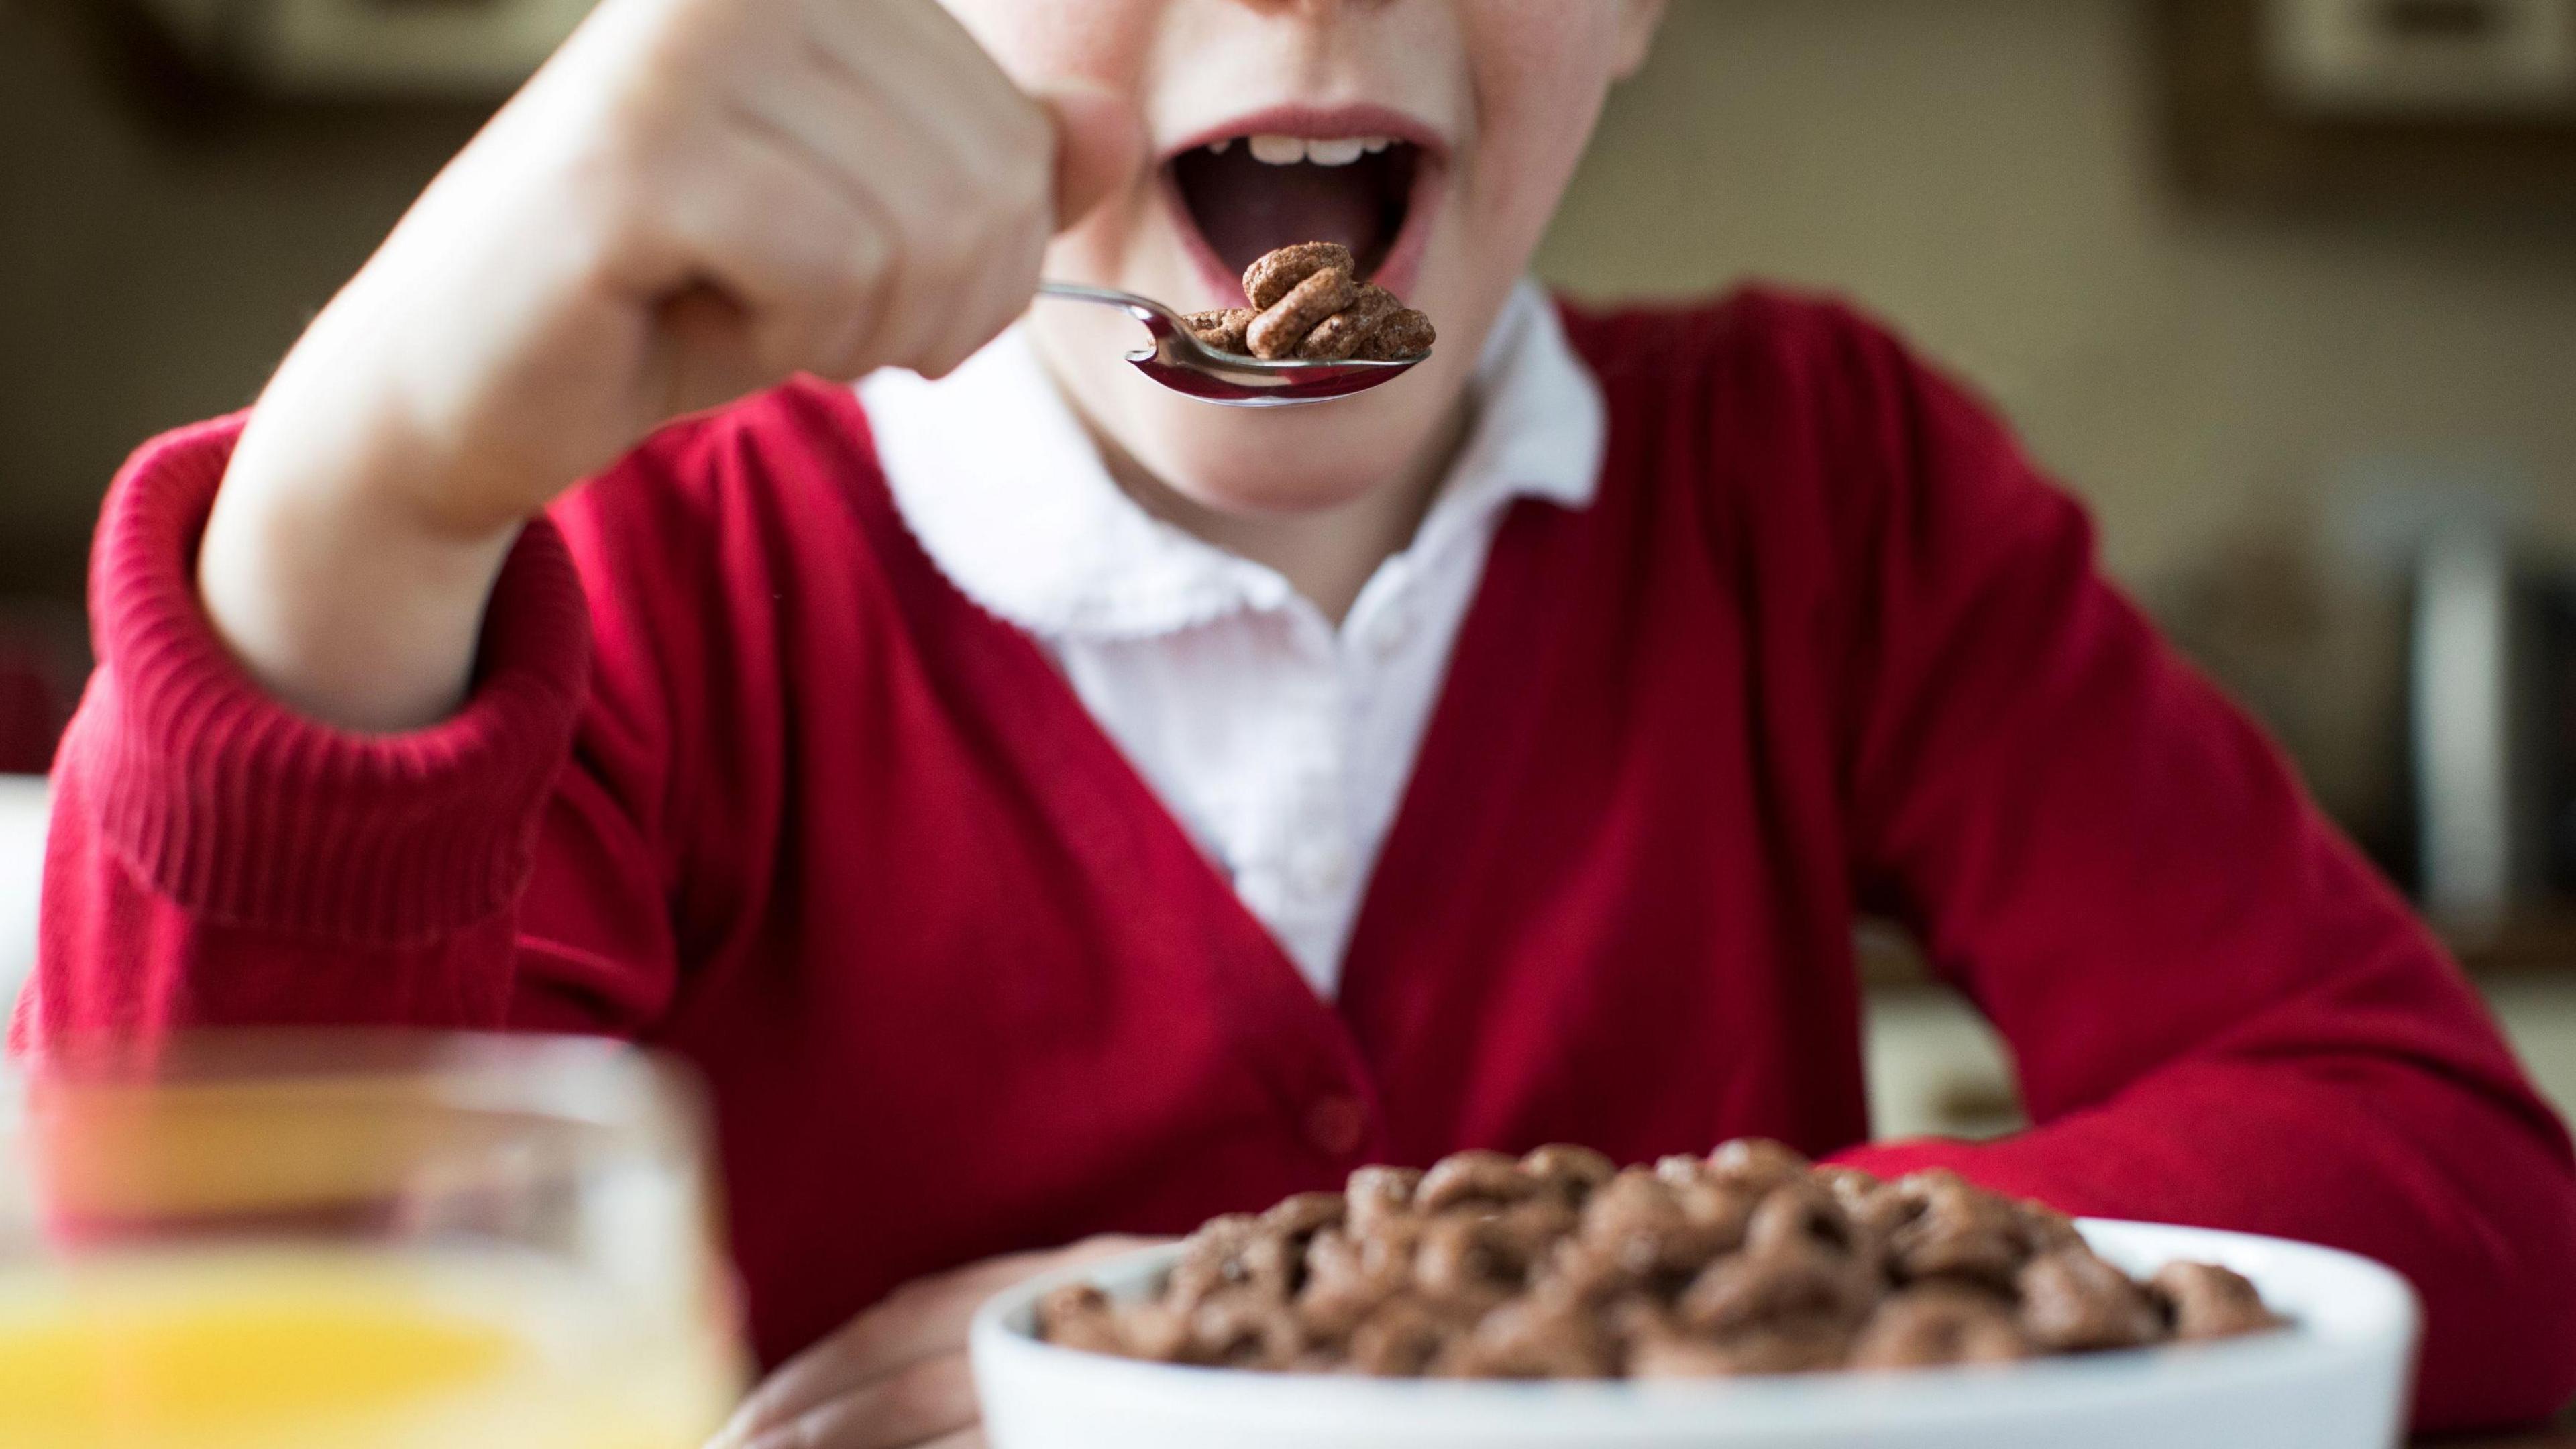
x=336 y=593
x=351 y=425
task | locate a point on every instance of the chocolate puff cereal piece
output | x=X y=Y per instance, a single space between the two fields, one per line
x=2208 y=1301
x=1308 y=1213
x=1342 y=335
x=2073 y=1302
x=1788 y=1348
x=1877 y=1208
x=1530 y=1339
x=1652 y=1227
x=1476 y=1261
x=1280 y=272
x=1958 y=1231
x=1228 y=1254
x=1803 y=1215
x=1229 y=330
x=1571 y=1172
x=1378 y=1195
x=1079 y=1315
x=1407 y=333
x=1246 y=1330
x=1758 y=1163
x=2046 y=1229
x=1155 y=1332
x=1284 y=325
x=1939 y=1325
x=1478 y=1178
x=1795 y=1347
x=1749 y=1289
x=1400 y=1340
x=1349 y=1278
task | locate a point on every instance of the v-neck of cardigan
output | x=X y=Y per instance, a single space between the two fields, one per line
x=1030 y=708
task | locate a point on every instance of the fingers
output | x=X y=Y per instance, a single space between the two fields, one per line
x=703 y=356
x=924 y=1317
x=930 y=1400
x=963 y=162
x=918 y=1324
x=1100 y=145
x=804 y=258
x=922 y=1320
x=861 y=181
x=982 y=176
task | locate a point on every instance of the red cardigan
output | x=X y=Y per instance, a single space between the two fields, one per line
x=745 y=778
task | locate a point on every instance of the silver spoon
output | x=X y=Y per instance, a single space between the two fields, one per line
x=1179 y=361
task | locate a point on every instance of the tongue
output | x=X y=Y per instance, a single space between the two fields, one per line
x=1247 y=209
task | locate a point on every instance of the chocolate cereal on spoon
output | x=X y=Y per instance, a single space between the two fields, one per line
x=1308 y=305
x=1313 y=334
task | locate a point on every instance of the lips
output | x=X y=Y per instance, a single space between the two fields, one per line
x=1363 y=177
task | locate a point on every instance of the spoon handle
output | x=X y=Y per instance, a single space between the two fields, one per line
x=1157 y=318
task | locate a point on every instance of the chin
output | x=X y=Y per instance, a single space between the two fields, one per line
x=1277 y=461
x=1225 y=476
x=1258 y=495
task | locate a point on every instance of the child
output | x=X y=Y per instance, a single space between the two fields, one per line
x=1042 y=804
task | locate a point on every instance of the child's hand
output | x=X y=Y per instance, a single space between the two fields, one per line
x=895 y=1375
x=692 y=201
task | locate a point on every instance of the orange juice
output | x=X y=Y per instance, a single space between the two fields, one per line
x=343 y=1349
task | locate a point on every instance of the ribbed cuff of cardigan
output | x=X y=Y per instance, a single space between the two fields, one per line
x=249 y=814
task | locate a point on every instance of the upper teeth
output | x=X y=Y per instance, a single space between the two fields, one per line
x=1292 y=150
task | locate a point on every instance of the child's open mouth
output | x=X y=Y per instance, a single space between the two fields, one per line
x=1330 y=179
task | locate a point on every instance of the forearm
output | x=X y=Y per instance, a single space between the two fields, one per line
x=2218 y=1012
x=340 y=612
x=321 y=570
x=2447 y=1183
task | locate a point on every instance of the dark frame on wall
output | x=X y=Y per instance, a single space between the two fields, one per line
x=201 y=60
x=2235 y=133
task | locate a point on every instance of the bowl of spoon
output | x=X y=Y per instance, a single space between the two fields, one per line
x=1302 y=286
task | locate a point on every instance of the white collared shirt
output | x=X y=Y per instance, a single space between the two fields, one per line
x=1282 y=744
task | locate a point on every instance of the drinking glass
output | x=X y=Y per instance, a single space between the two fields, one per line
x=359 y=1241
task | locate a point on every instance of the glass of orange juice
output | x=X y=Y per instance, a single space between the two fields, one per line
x=354 y=1241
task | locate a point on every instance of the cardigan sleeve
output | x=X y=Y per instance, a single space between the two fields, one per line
x=216 y=859
x=2218 y=1012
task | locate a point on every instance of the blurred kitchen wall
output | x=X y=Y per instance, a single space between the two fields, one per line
x=2227 y=388
x=2256 y=405
x=1988 y=175
x=155 y=263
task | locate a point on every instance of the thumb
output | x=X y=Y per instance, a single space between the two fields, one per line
x=1100 y=144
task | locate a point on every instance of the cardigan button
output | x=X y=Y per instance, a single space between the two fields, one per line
x=1338 y=1125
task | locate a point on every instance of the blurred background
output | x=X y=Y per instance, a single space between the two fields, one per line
x=2285 y=289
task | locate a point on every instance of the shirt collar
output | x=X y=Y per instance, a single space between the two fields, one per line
x=1006 y=492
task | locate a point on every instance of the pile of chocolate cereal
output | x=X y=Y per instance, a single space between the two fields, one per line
x=1558 y=1265
x=1309 y=304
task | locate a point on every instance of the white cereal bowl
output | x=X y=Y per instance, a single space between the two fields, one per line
x=2338 y=1379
